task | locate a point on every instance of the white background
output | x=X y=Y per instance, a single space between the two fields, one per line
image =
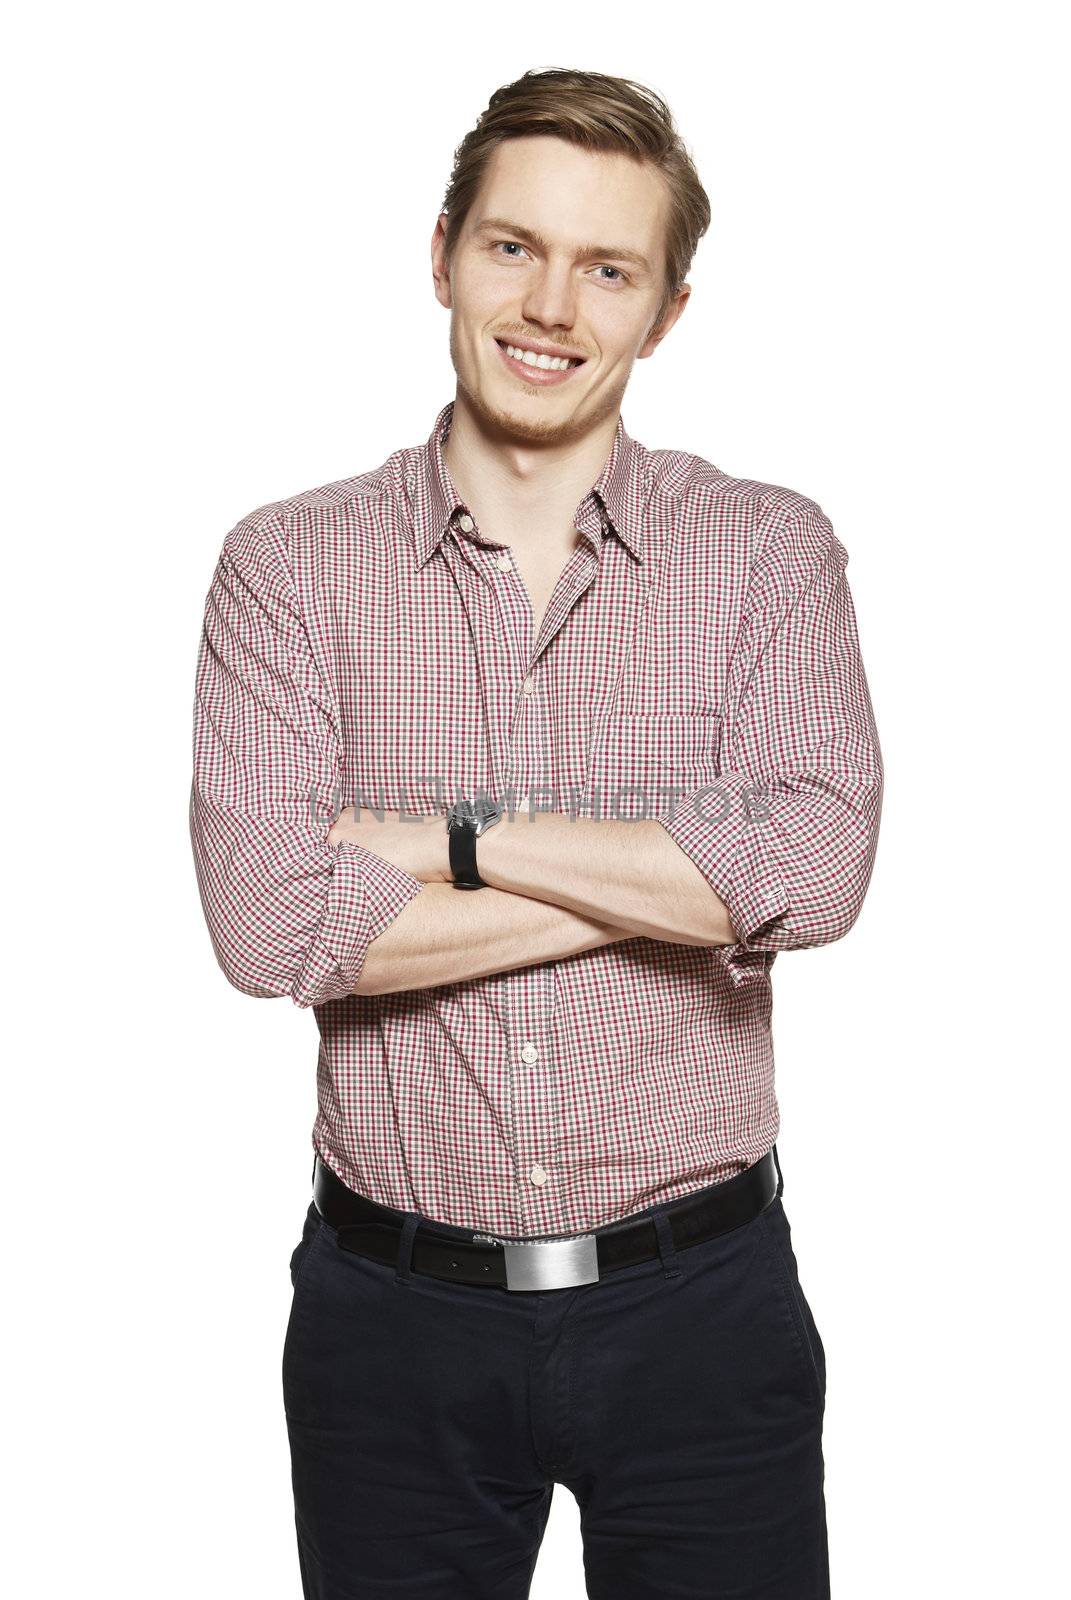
x=219 y=294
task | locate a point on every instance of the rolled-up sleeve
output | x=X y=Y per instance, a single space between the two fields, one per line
x=787 y=834
x=288 y=913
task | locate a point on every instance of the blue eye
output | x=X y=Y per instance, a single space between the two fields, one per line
x=511 y=244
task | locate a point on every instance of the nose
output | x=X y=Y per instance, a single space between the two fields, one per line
x=550 y=299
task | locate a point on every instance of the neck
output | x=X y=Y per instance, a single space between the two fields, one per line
x=524 y=490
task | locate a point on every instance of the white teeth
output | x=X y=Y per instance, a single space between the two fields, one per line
x=530 y=359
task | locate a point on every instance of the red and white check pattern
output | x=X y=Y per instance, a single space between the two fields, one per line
x=699 y=655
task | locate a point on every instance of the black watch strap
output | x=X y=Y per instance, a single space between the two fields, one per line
x=463 y=856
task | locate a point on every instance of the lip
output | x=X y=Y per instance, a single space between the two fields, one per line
x=540 y=377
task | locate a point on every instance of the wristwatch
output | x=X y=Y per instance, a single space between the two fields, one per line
x=466 y=820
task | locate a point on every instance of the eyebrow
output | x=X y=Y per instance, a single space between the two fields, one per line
x=529 y=236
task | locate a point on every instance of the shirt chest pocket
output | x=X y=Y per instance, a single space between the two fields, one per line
x=642 y=765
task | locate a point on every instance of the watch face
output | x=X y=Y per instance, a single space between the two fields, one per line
x=488 y=812
x=478 y=814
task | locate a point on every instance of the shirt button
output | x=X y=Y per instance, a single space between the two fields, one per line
x=537 y=1174
x=529 y=684
x=466 y=522
x=529 y=1052
x=503 y=562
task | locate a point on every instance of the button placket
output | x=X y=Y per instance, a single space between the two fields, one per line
x=491 y=647
x=533 y=1091
x=536 y=1104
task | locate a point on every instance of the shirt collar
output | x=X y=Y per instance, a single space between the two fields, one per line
x=618 y=491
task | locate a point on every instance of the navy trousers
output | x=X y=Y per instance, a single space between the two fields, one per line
x=680 y=1401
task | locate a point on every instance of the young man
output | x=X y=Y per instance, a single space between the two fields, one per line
x=619 y=694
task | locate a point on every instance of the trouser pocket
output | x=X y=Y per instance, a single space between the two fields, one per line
x=313 y=1224
x=300 y=1261
x=777 y=1234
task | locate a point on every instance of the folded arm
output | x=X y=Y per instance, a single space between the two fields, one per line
x=778 y=852
x=776 y=855
x=288 y=913
x=449 y=935
x=629 y=874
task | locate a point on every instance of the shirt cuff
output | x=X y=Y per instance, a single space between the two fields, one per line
x=366 y=893
x=724 y=830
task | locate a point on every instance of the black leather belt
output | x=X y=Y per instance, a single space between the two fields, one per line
x=369 y=1229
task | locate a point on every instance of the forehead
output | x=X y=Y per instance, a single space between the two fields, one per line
x=573 y=196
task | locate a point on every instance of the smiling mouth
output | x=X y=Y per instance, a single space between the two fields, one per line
x=530 y=371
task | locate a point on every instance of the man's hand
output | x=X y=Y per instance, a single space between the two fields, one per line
x=419 y=845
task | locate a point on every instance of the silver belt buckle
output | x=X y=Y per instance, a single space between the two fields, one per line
x=551 y=1263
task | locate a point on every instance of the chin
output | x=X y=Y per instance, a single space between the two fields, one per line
x=520 y=426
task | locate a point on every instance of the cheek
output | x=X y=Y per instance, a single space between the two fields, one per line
x=479 y=293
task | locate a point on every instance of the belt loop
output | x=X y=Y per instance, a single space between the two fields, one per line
x=666 y=1247
x=404 y=1267
x=780 y=1179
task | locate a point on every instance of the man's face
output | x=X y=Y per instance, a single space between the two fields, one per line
x=580 y=287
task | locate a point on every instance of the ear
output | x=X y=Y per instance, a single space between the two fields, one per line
x=672 y=312
x=440 y=270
